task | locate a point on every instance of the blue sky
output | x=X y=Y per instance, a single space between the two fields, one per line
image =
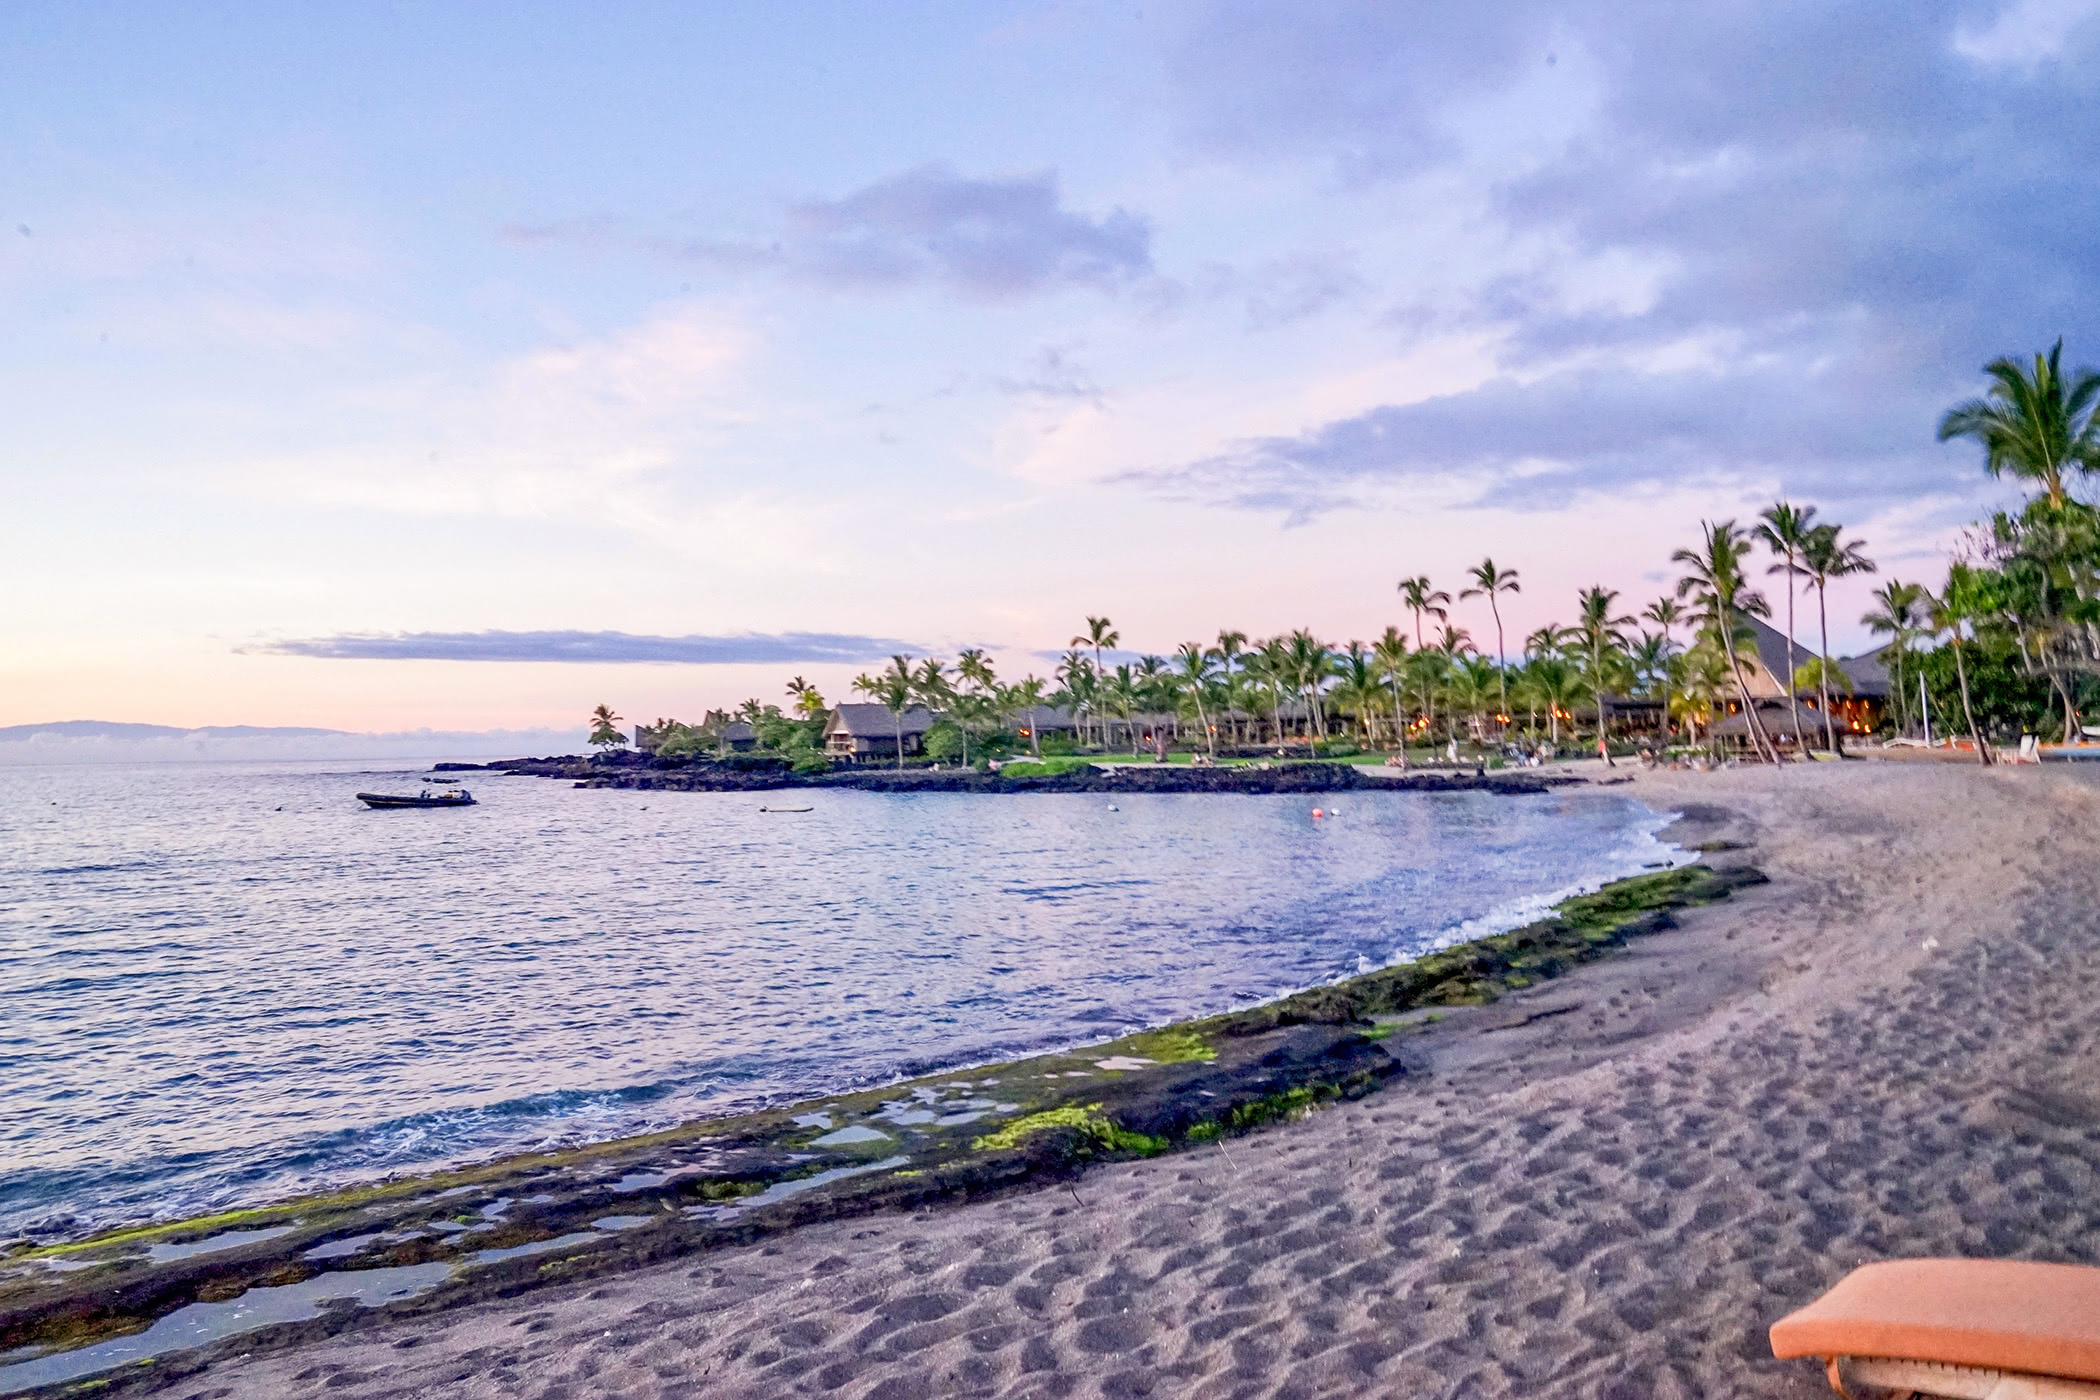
x=385 y=366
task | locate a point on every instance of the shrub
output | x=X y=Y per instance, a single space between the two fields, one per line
x=944 y=742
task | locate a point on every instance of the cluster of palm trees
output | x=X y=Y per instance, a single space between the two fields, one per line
x=970 y=695
x=2036 y=588
x=1435 y=685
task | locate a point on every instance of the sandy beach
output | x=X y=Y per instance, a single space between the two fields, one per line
x=1607 y=1185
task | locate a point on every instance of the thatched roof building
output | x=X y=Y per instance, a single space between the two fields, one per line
x=870 y=731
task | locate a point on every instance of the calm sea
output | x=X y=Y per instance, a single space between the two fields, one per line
x=223 y=983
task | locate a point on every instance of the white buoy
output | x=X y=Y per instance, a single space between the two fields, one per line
x=1114 y=808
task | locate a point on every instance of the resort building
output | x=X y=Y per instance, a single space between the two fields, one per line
x=1042 y=721
x=867 y=731
x=1859 y=690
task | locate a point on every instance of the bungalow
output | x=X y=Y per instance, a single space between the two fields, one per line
x=1855 y=706
x=865 y=731
x=736 y=737
x=1043 y=720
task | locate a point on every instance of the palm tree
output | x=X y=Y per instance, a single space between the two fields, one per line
x=1312 y=663
x=1120 y=692
x=1599 y=631
x=1550 y=640
x=1099 y=634
x=1895 y=616
x=1490 y=581
x=1077 y=679
x=894 y=690
x=1785 y=530
x=605 y=728
x=1197 y=671
x=1702 y=679
x=1651 y=657
x=1419 y=596
x=1390 y=654
x=1959 y=603
x=1553 y=681
x=1028 y=694
x=2033 y=424
x=1665 y=612
x=975 y=669
x=1824 y=557
x=1474 y=683
x=1714 y=580
x=809 y=703
x=1360 y=687
x=1427 y=667
x=1156 y=689
x=1231 y=648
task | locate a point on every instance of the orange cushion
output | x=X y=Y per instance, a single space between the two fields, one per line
x=1997 y=1313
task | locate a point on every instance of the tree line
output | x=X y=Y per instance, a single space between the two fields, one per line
x=2011 y=638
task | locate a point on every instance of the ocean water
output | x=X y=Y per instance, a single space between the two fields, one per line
x=225 y=983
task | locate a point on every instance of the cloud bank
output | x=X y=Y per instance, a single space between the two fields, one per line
x=597 y=647
x=1725 y=239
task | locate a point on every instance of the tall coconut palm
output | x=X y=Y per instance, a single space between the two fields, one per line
x=1268 y=668
x=1230 y=650
x=1419 y=596
x=1895 y=616
x=1100 y=634
x=1960 y=604
x=895 y=690
x=1489 y=582
x=1078 y=679
x=1312 y=663
x=1390 y=654
x=1197 y=670
x=1600 y=631
x=1825 y=556
x=1714 y=581
x=2033 y=423
x=1665 y=612
x=1785 y=529
x=974 y=669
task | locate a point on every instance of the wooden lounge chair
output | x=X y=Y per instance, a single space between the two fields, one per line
x=1991 y=1329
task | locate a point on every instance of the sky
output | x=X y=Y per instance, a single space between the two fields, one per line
x=460 y=367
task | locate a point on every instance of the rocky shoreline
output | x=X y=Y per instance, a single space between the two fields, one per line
x=738 y=774
x=509 y=1225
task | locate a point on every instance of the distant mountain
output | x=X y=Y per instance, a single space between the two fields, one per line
x=101 y=741
x=104 y=729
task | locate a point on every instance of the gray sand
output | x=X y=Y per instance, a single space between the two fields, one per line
x=1612 y=1200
